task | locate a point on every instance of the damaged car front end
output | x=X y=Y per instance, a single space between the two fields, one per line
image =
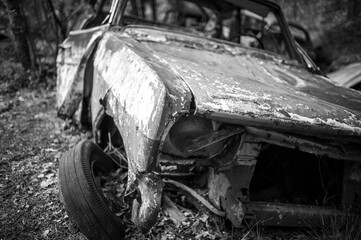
x=205 y=95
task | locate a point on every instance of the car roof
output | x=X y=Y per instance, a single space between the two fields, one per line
x=260 y=7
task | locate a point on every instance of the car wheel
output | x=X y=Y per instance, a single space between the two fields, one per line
x=83 y=198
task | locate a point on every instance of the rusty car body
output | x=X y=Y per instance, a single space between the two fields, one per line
x=243 y=106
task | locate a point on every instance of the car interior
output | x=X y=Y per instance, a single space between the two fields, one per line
x=247 y=23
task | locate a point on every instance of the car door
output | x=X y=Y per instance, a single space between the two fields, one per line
x=73 y=57
x=71 y=53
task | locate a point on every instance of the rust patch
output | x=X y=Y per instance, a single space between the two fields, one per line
x=133 y=91
x=350 y=152
x=145 y=213
x=259 y=86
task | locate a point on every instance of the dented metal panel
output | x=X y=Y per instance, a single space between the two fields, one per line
x=255 y=85
x=140 y=93
x=144 y=81
x=342 y=151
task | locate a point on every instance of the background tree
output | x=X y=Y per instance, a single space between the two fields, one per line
x=36 y=28
x=23 y=43
x=334 y=25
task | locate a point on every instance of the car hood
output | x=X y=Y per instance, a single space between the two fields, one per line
x=255 y=87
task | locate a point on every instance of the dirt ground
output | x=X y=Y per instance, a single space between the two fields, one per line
x=32 y=140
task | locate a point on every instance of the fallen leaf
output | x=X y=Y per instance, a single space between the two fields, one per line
x=47 y=182
x=45 y=233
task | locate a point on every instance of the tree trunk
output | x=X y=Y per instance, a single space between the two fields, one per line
x=58 y=23
x=18 y=26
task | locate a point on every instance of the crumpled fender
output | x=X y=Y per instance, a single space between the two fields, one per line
x=141 y=94
x=145 y=213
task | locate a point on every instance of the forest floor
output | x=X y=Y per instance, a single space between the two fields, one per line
x=32 y=141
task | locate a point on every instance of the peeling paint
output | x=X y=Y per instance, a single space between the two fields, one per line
x=257 y=85
x=133 y=84
x=331 y=122
x=141 y=95
x=145 y=213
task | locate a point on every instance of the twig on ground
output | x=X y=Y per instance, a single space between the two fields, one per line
x=171 y=209
x=194 y=194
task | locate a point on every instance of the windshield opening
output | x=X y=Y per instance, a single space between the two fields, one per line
x=248 y=23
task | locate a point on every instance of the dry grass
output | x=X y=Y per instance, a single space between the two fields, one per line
x=344 y=226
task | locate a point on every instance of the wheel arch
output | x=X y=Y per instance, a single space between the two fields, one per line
x=106 y=130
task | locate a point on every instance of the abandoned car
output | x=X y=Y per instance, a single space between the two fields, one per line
x=207 y=97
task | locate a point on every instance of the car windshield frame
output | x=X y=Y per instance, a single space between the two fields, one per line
x=119 y=6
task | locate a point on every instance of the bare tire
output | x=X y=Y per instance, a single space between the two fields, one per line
x=83 y=198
